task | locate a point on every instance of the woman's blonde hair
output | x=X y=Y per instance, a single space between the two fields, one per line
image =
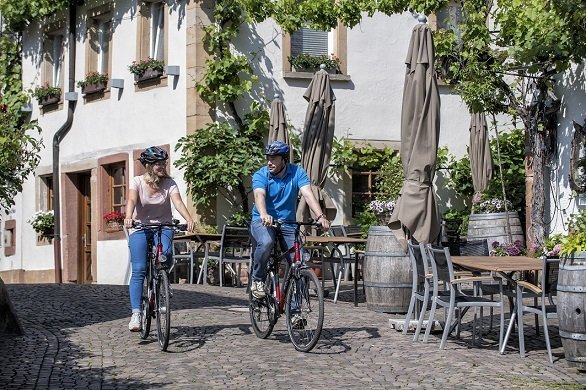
x=151 y=179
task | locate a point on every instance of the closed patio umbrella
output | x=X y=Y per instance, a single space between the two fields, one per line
x=278 y=125
x=480 y=157
x=420 y=126
x=318 y=136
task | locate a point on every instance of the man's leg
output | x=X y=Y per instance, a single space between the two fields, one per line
x=264 y=237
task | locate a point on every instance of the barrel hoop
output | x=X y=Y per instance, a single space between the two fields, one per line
x=387 y=285
x=573 y=267
x=385 y=254
x=573 y=336
x=565 y=288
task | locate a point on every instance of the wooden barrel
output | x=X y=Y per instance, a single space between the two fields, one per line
x=387 y=278
x=571 y=309
x=493 y=227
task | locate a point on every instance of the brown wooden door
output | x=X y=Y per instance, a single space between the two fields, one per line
x=85 y=230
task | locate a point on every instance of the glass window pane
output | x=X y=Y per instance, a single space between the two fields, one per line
x=118 y=196
x=360 y=183
x=118 y=175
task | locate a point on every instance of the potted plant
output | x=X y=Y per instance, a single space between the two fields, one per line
x=382 y=210
x=146 y=69
x=94 y=82
x=309 y=63
x=43 y=222
x=114 y=222
x=494 y=219
x=45 y=94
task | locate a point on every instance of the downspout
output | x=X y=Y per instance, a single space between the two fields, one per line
x=58 y=137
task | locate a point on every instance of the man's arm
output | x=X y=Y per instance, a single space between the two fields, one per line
x=260 y=201
x=314 y=206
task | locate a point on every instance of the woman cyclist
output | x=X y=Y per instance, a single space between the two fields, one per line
x=149 y=201
x=275 y=187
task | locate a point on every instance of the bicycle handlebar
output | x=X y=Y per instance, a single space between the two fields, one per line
x=179 y=226
x=311 y=222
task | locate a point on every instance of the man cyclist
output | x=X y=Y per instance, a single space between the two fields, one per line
x=276 y=187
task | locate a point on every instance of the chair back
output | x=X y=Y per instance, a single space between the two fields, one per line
x=474 y=248
x=235 y=241
x=352 y=231
x=441 y=263
x=418 y=259
x=549 y=276
x=337 y=230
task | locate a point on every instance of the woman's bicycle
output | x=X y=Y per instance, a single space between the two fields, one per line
x=300 y=296
x=156 y=291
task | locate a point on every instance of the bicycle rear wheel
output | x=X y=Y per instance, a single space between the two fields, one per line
x=146 y=309
x=263 y=312
x=163 y=310
x=304 y=310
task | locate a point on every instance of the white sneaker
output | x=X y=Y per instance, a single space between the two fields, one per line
x=257 y=289
x=134 y=324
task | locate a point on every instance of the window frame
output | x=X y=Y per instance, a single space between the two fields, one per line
x=371 y=174
x=48 y=68
x=94 y=54
x=105 y=191
x=144 y=39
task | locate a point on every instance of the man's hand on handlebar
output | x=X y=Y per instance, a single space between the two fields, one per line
x=266 y=219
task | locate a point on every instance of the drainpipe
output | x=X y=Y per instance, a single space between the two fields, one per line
x=58 y=137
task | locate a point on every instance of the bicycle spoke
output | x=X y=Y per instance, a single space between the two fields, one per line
x=163 y=310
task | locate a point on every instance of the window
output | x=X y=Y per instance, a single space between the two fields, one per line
x=99 y=40
x=315 y=42
x=46 y=197
x=117 y=173
x=448 y=17
x=53 y=60
x=363 y=189
x=9 y=237
x=153 y=30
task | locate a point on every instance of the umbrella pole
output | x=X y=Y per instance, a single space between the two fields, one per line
x=498 y=151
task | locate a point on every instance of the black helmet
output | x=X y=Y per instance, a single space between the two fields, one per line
x=277 y=148
x=152 y=155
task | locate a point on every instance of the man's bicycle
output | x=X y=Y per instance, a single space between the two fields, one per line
x=156 y=291
x=300 y=296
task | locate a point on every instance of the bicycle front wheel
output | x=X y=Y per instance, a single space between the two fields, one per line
x=163 y=310
x=304 y=310
x=263 y=315
x=146 y=308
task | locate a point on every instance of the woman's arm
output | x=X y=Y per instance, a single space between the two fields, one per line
x=130 y=204
x=182 y=209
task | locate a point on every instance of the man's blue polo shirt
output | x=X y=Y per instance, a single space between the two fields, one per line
x=281 y=193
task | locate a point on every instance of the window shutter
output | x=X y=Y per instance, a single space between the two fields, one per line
x=309 y=41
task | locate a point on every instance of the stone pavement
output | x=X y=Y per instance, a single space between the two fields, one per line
x=77 y=338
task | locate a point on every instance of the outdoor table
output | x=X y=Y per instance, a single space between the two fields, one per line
x=336 y=241
x=504 y=266
x=203 y=239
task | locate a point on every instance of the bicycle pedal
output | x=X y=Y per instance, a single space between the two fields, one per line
x=163 y=310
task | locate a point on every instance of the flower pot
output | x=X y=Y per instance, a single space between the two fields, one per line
x=94 y=88
x=113 y=226
x=148 y=74
x=48 y=100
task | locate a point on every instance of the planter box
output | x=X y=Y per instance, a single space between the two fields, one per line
x=94 y=88
x=48 y=100
x=113 y=226
x=149 y=74
x=313 y=70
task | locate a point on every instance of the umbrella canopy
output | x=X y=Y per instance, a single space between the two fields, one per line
x=318 y=136
x=420 y=126
x=480 y=157
x=278 y=125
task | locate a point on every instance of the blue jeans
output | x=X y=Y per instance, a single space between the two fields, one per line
x=265 y=237
x=138 y=243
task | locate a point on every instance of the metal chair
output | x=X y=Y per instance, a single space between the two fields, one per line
x=539 y=294
x=184 y=253
x=474 y=248
x=235 y=248
x=443 y=271
x=420 y=287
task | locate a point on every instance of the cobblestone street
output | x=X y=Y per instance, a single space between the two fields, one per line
x=77 y=337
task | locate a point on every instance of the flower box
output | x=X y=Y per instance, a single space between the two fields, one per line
x=148 y=74
x=313 y=70
x=47 y=100
x=113 y=226
x=94 y=88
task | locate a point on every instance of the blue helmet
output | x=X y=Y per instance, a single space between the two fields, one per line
x=277 y=148
x=152 y=155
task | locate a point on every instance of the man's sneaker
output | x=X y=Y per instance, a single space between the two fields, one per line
x=298 y=322
x=134 y=324
x=257 y=289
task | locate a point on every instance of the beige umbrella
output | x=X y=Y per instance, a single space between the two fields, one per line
x=420 y=126
x=278 y=125
x=480 y=157
x=318 y=136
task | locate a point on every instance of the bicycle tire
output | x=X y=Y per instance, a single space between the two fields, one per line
x=263 y=314
x=163 y=310
x=305 y=290
x=145 y=320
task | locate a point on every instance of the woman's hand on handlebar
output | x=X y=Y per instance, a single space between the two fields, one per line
x=190 y=226
x=128 y=223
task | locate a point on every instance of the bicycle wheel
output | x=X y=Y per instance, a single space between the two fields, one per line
x=146 y=309
x=263 y=312
x=163 y=310
x=304 y=310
